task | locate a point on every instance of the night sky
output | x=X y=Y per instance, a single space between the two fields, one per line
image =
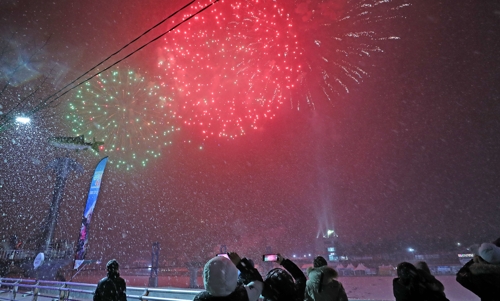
x=410 y=153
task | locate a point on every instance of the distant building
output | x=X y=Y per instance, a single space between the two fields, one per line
x=326 y=245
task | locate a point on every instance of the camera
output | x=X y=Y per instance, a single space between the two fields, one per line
x=223 y=255
x=270 y=257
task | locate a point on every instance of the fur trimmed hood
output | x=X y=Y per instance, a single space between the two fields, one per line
x=482 y=267
x=329 y=274
x=323 y=285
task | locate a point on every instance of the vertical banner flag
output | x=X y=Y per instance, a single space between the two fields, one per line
x=95 y=185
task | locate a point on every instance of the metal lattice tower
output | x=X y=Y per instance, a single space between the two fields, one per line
x=62 y=167
x=155 y=254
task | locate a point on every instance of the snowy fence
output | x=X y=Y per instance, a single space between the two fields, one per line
x=38 y=290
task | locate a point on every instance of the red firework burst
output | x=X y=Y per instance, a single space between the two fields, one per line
x=233 y=66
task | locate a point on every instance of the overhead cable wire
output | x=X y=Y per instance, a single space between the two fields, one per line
x=47 y=102
x=106 y=59
x=5 y=118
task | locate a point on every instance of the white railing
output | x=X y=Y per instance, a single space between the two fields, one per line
x=25 y=289
x=23 y=254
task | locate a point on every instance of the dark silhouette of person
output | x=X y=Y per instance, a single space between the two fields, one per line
x=319 y=261
x=287 y=284
x=324 y=286
x=481 y=275
x=430 y=280
x=112 y=287
x=412 y=286
x=242 y=277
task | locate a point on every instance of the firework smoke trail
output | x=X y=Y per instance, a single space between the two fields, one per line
x=236 y=65
x=336 y=36
x=126 y=111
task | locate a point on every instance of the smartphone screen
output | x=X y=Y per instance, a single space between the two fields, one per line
x=223 y=255
x=270 y=257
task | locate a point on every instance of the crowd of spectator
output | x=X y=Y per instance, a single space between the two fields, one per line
x=231 y=278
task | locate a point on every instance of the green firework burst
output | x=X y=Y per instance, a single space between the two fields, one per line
x=128 y=112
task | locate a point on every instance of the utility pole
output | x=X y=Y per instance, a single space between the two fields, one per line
x=155 y=254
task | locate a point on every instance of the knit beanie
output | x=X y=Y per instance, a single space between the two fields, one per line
x=220 y=276
x=489 y=252
x=319 y=261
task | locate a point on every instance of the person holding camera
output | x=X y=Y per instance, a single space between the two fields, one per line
x=287 y=284
x=220 y=278
x=244 y=278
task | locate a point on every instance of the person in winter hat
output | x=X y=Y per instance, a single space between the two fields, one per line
x=489 y=252
x=319 y=261
x=284 y=284
x=112 y=287
x=220 y=278
x=481 y=275
x=324 y=286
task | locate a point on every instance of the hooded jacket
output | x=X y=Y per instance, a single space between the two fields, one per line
x=417 y=291
x=280 y=287
x=323 y=285
x=481 y=278
x=489 y=252
x=220 y=278
x=111 y=288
